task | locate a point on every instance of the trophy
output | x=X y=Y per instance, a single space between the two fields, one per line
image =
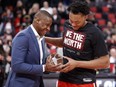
x=57 y=59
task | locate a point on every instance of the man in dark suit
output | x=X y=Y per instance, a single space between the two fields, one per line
x=28 y=54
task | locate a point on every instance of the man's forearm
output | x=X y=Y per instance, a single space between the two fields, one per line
x=54 y=41
x=99 y=63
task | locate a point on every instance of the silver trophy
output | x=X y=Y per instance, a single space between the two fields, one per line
x=57 y=59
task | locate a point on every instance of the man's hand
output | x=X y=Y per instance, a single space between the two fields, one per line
x=50 y=66
x=70 y=65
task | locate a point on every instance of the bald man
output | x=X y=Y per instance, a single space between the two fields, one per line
x=28 y=54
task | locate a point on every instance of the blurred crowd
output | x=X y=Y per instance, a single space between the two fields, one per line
x=16 y=15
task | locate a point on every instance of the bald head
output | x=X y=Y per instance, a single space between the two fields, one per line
x=42 y=14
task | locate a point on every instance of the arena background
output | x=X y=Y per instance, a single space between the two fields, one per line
x=16 y=15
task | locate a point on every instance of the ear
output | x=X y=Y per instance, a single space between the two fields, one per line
x=86 y=17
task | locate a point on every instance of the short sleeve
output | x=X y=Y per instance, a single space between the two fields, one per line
x=98 y=44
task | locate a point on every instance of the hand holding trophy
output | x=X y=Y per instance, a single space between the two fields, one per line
x=57 y=59
x=54 y=63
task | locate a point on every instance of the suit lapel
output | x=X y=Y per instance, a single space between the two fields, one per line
x=35 y=42
x=43 y=48
x=45 y=51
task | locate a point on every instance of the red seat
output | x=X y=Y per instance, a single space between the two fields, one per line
x=62 y=21
x=111 y=16
x=105 y=9
x=101 y=22
x=98 y=15
x=113 y=20
x=93 y=9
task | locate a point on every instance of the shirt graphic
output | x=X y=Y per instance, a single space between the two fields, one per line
x=74 y=40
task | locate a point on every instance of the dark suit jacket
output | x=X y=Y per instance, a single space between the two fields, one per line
x=26 y=69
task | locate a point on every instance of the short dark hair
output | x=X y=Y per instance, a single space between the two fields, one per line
x=79 y=6
x=43 y=12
